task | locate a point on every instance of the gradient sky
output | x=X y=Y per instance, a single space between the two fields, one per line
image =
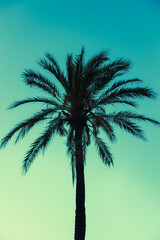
x=122 y=203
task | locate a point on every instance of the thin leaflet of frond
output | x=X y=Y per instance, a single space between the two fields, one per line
x=98 y=108
x=43 y=100
x=35 y=78
x=26 y=125
x=138 y=117
x=39 y=144
x=125 y=93
x=103 y=151
x=52 y=69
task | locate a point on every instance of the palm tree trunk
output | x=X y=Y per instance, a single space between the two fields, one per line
x=80 y=217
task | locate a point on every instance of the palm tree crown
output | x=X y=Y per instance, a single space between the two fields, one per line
x=79 y=110
x=88 y=89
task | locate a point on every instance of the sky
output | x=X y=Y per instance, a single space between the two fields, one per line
x=122 y=203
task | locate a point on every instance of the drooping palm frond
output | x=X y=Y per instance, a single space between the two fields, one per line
x=24 y=126
x=130 y=127
x=61 y=129
x=52 y=59
x=104 y=151
x=43 y=100
x=39 y=144
x=134 y=116
x=113 y=101
x=126 y=93
x=109 y=130
x=71 y=152
x=122 y=83
x=117 y=67
x=127 y=102
x=36 y=79
x=97 y=61
x=53 y=68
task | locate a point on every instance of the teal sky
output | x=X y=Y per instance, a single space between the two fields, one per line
x=122 y=203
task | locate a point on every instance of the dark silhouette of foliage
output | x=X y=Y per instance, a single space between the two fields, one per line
x=79 y=112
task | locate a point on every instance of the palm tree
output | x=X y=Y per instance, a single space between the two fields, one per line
x=78 y=112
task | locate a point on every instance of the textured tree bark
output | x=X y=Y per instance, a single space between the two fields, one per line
x=80 y=216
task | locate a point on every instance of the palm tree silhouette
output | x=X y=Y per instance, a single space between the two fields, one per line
x=78 y=112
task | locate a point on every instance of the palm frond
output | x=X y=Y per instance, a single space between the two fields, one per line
x=43 y=100
x=117 y=67
x=26 y=125
x=94 y=127
x=71 y=152
x=127 y=102
x=123 y=82
x=103 y=151
x=130 y=127
x=54 y=69
x=52 y=59
x=97 y=60
x=61 y=125
x=125 y=93
x=36 y=79
x=135 y=116
x=39 y=144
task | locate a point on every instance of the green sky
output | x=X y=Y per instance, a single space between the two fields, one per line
x=122 y=203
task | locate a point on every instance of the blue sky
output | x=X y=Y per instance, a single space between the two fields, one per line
x=122 y=202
